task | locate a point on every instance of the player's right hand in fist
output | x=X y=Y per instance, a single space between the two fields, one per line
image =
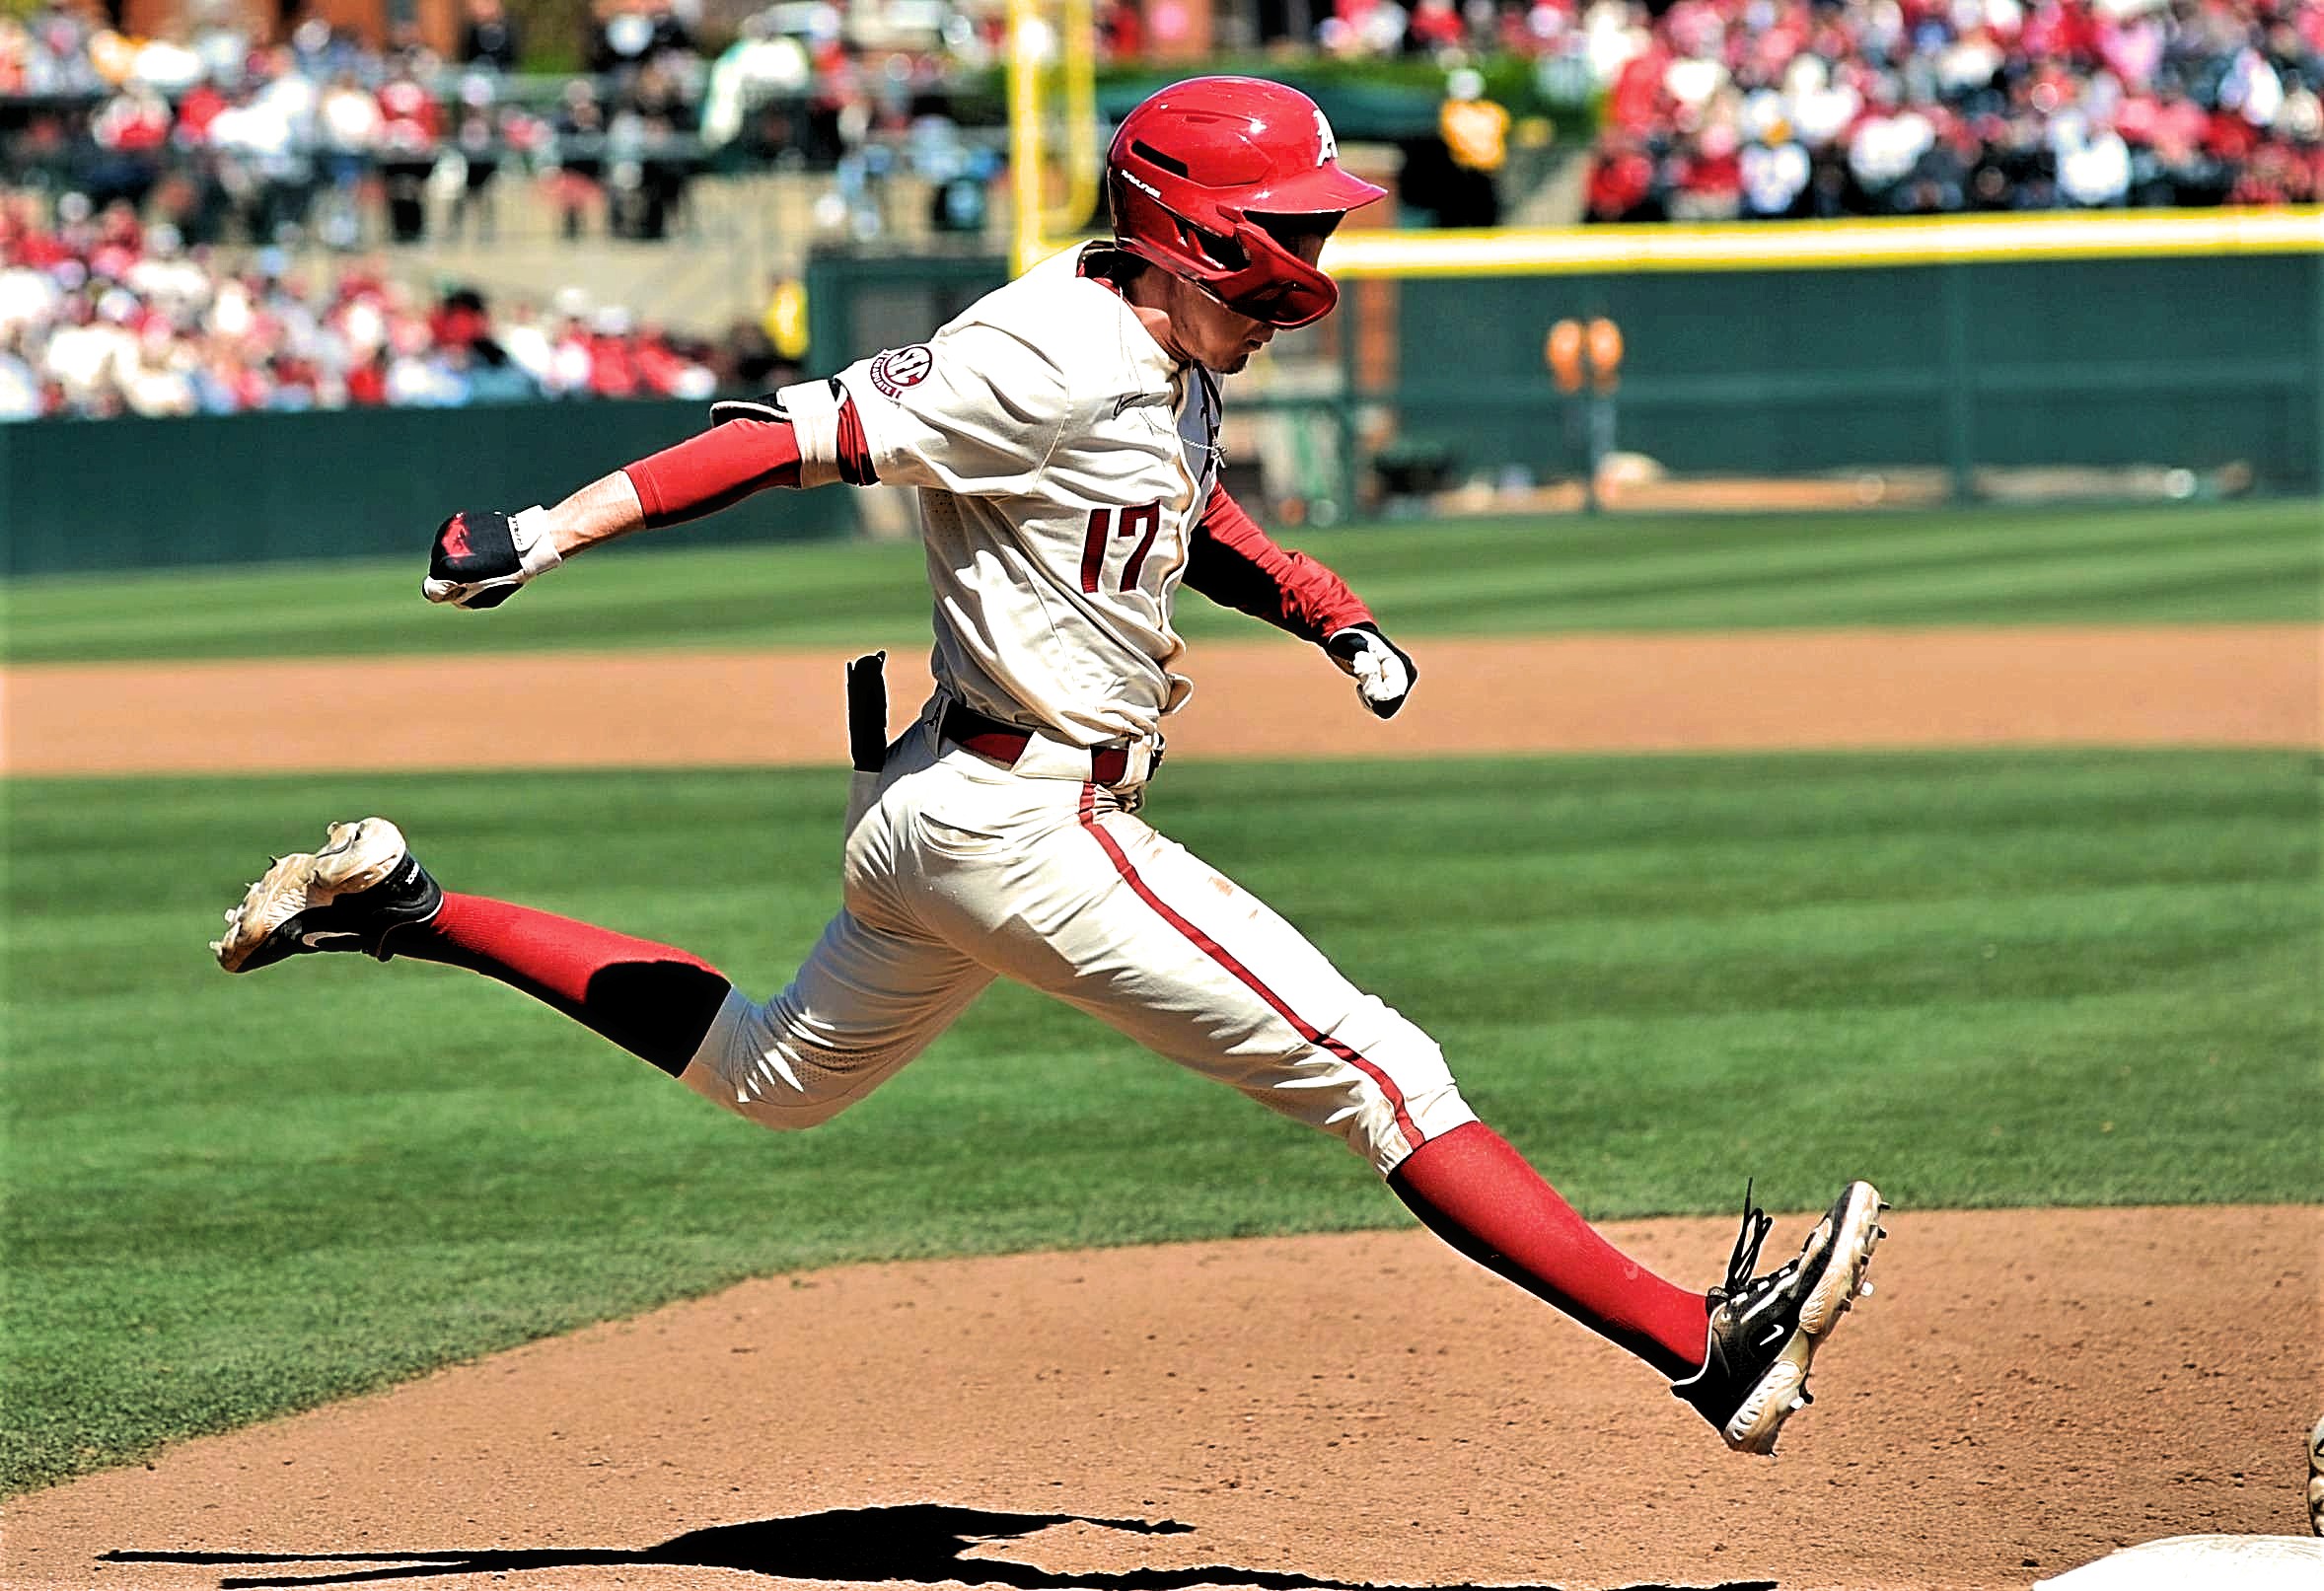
x=481 y=557
x=1384 y=672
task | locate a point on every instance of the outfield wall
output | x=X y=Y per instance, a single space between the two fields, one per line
x=2179 y=342
x=2202 y=363
x=134 y=493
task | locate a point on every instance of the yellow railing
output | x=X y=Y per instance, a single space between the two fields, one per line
x=1828 y=245
x=1806 y=244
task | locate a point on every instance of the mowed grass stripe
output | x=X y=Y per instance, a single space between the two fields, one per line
x=1985 y=979
x=2242 y=581
x=2250 y=586
x=2187 y=581
x=621 y=596
x=1584 y=562
x=2229 y=562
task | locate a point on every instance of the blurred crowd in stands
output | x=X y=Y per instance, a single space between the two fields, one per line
x=100 y=315
x=1766 y=108
x=1710 y=109
x=129 y=167
x=220 y=133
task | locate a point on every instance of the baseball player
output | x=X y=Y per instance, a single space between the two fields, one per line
x=1063 y=437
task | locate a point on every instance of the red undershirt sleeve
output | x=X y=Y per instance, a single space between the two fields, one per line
x=1236 y=564
x=728 y=462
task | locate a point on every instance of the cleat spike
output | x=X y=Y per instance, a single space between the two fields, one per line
x=1865 y=1291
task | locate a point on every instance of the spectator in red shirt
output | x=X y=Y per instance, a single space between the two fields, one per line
x=1622 y=185
x=1122 y=30
x=1435 y=26
x=612 y=363
x=409 y=124
x=197 y=111
x=366 y=382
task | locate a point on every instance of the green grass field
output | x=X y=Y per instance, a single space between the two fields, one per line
x=1985 y=979
x=2230 y=562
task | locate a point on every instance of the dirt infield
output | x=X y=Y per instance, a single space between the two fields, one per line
x=2219 y=685
x=2022 y=1393
x=2027 y=1390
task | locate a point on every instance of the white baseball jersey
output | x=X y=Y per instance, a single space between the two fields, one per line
x=1064 y=460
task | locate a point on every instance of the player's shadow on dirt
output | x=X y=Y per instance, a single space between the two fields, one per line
x=909 y=1544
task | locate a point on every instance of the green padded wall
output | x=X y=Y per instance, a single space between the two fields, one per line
x=2196 y=362
x=132 y=493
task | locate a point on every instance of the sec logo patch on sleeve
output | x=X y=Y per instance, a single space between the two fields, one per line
x=899 y=368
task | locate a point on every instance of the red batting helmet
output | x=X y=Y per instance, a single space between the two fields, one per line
x=1203 y=177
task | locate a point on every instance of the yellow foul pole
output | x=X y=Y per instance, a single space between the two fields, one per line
x=1034 y=46
x=1025 y=31
x=1081 y=122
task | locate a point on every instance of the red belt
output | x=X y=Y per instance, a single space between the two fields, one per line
x=1005 y=742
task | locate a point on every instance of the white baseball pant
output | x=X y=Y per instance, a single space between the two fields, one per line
x=959 y=869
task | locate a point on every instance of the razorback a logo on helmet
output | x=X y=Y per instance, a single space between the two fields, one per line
x=454 y=539
x=1327 y=147
x=899 y=368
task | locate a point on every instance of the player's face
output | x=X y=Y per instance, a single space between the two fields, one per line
x=1223 y=339
x=1211 y=334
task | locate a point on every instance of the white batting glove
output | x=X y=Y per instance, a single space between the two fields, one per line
x=481 y=557
x=1384 y=672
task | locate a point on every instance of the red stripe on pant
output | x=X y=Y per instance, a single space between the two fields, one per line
x=1243 y=974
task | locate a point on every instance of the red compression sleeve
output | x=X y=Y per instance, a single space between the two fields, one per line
x=715 y=470
x=728 y=462
x=655 y=1001
x=1236 y=564
x=1476 y=1192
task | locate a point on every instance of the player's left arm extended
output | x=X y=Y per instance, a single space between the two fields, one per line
x=1238 y=565
x=484 y=557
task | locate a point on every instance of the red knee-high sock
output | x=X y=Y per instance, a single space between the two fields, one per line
x=1476 y=1192
x=655 y=1001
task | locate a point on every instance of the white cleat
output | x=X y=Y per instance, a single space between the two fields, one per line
x=349 y=895
x=1765 y=1330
